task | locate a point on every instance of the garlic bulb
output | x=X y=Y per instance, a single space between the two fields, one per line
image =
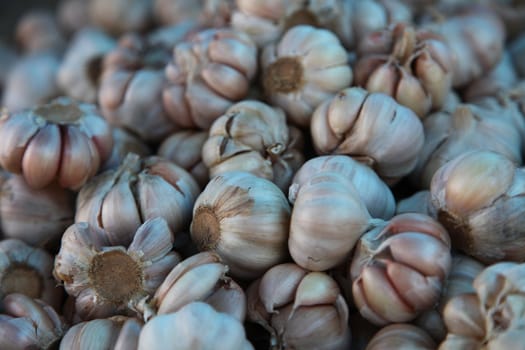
x=184 y=148
x=141 y=188
x=254 y=137
x=72 y=15
x=27 y=323
x=63 y=141
x=328 y=217
x=206 y=13
x=306 y=66
x=478 y=197
x=201 y=277
x=35 y=216
x=116 y=332
x=196 y=326
x=208 y=73
x=401 y=336
x=28 y=270
x=375 y=194
x=300 y=309
x=245 y=220
x=124 y=142
x=79 y=72
x=37 y=31
x=108 y=279
x=492 y=316
x=369 y=126
x=413 y=66
x=121 y=16
x=399 y=268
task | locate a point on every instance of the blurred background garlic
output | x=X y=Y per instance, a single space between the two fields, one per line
x=196 y=326
x=28 y=270
x=245 y=220
x=121 y=16
x=63 y=141
x=120 y=200
x=107 y=279
x=478 y=197
x=35 y=216
x=38 y=31
x=79 y=72
x=300 y=309
x=115 y=332
x=371 y=127
x=205 y=13
x=399 y=268
x=401 y=336
x=413 y=66
x=184 y=148
x=27 y=323
x=306 y=66
x=73 y=16
x=492 y=316
x=254 y=137
x=209 y=72
x=201 y=277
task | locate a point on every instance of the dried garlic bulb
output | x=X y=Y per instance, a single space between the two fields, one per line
x=254 y=137
x=201 y=277
x=492 y=316
x=124 y=142
x=35 y=216
x=399 y=268
x=478 y=197
x=184 y=148
x=369 y=126
x=121 y=16
x=120 y=200
x=208 y=73
x=245 y=220
x=306 y=66
x=196 y=326
x=401 y=336
x=28 y=270
x=63 y=141
x=300 y=309
x=132 y=81
x=413 y=66
x=486 y=125
x=328 y=217
x=376 y=195
x=80 y=70
x=27 y=323
x=116 y=333
x=108 y=279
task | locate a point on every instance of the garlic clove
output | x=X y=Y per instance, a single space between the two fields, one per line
x=278 y=285
x=128 y=337
x=402 y=336
x=316 y=288
x=463 y=315
x=230 y=299
x=16 y=131
x=229 y=81
x=206 y=105
x=152 y=241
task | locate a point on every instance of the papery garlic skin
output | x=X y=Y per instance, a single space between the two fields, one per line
x=401 y=336
x=209 y=72
x=63 y=141
x=107 y=279
x=300 y=309
x=254 y=137
x=376 y=195
x=195 y=326
x=245 y=220
x=120 y=200
x=28 y=270
x=372 y=127
x=306 y=66
x=27 y=323
x=398 y=268
x=478 y=197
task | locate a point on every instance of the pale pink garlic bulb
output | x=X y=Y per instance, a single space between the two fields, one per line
x=120 y=200
x=304 y=68
x=371 y=127
x=108 y=280
x=208 y=73
x=300 y=309
x=27 y=323
x=121 y=16
x=399 y=268
x=184 y=148
x=413 y=66
x=63 y=141
x=491 y=317
x=401 y=336
x=254 y=137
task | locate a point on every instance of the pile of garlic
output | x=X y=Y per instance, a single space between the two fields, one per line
x=233 y=174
